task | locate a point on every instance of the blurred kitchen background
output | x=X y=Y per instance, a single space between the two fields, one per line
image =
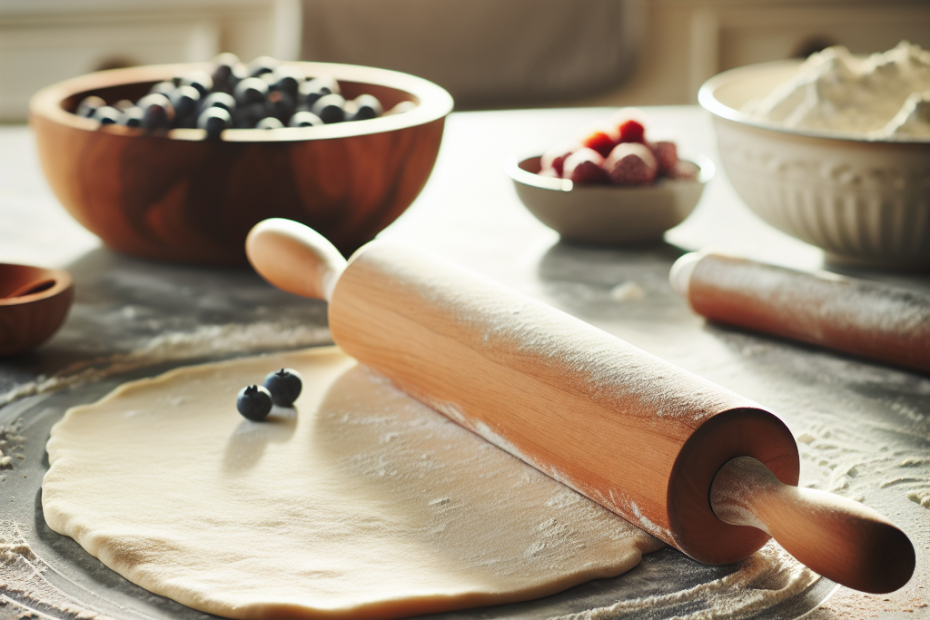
x=487 y=53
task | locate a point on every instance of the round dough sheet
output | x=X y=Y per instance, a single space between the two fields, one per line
x=358 y=502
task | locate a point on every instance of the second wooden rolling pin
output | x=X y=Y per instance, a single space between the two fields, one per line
x=868 y=319
x=688 y=461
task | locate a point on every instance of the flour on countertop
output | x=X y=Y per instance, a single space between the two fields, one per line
x=206 y=341
x=23 y=582
x=764 y=579
x=847 y=458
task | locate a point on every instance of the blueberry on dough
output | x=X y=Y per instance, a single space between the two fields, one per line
x=284 y=385
x=254 y=402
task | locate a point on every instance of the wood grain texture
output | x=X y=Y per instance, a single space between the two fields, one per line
x=839 y=538
x=28 y=320
x=867 y=319
x=294 y=258
x=175 y=196
x=628 y=430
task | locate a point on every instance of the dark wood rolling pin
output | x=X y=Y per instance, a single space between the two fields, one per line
x=688 y=461
x=867 y=319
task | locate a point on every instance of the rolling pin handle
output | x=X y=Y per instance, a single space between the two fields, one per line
x=680 y=275
x=836 y=537
x=295 y=258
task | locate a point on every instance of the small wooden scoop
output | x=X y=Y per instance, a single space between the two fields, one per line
x=696 y=465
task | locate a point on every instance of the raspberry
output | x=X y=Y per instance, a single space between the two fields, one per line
x=599 y=141
x=554 y=158
x=584 y=166
x=684 y=170
x=666 y=154
x=631 y=163
x=632 y=131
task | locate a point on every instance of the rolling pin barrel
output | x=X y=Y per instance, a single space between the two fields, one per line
x=635 y=434
x=863 y=318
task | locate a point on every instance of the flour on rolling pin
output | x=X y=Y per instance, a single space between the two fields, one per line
x=642 y=437
x=867 y=319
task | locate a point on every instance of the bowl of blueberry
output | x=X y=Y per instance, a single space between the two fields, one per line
x=179 y=162
x=611 y=185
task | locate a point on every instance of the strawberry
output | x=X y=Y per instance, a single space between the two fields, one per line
x=599 y=141
x=666 y=154
x=554 y=158
x=585 y=166
x=631 y=163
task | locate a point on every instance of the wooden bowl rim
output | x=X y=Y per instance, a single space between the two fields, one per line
x=434 y=103
x=63 y=282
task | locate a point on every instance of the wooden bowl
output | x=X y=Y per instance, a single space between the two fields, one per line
x=607 y=214
x=179 y=197
x=33 y=304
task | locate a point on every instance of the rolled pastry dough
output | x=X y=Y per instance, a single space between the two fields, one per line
x=359 y=502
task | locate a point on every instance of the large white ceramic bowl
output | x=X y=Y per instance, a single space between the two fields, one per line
x=861 y=200
x=606 y=214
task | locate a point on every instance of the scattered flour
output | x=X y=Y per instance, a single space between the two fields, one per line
x=764 y=579
x=627 y=291
x=206 y=341
x=25 y=586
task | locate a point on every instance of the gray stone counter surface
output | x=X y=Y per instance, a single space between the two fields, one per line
x=863 y=428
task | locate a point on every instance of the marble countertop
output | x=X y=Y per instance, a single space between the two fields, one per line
x=859 y=420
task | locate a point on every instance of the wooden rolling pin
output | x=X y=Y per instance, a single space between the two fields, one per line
x=696 y=465
x=867 y=319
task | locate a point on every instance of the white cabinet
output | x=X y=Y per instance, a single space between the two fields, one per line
x=48 y=41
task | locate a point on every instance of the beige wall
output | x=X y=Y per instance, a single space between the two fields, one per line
x=688 y=41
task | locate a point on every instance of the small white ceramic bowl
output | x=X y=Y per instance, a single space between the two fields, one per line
x=607 y=214
x=861 y=200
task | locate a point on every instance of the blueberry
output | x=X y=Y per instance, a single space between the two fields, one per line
x=254 y=402
x=246 y=116
x=106 y=115
x=157 y=111
x=311 y=90
x=131 y=117
x=200 y=80
x=280 y=105
x=223 y=69
x=330 y=108
x=185 y=100
x=287 y=79
x=89 y=105
x=219 y=100
x=162 y=88
x=262 y=64
x=251 y=90
x=365 y=107
x=214 y=120
x=269 y=122
x=284 y=385
x=304 y=119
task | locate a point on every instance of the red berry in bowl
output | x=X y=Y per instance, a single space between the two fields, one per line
x=631 y=131
x=584 y=166
x=666 y=155
x=599 y=141
x=631 y=163
x=554 y=158
x=685 y=171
